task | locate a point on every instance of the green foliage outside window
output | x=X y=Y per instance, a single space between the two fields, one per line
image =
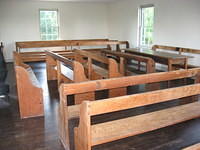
x=49 y=24
x=147 y=23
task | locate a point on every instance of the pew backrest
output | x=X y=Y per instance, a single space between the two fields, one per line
x=122 y=128
x=193 y=52
x=35 y=49
x=55 y=43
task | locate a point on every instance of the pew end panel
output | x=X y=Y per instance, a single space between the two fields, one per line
x=116 y=70
x=29 y=92
x=79 y=76
x=18 y=61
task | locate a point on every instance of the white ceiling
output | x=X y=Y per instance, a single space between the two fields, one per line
x=80 y=0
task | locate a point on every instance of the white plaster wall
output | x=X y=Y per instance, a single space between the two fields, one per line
x=176 y=21
x=19 y=21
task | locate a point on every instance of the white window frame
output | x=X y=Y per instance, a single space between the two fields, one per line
x=58 y=20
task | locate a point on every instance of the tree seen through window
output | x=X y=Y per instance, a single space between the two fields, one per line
x=146 y=26
x=49 y=24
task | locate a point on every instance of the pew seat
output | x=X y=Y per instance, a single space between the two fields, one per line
x=101 y=71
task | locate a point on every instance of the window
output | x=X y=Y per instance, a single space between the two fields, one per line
x=146 y=26
x=49 y=25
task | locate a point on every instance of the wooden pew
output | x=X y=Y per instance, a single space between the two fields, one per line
x=40 y=55
x=150 y=64
x=126 y=127
x=81 y=72
x=180 y=50
x=112 y=70
x=74 y=72
x=55 y=43
x=30 y=93
x=193 y=147
x=96 y=72
x=51 y=62
x=70 y=112
x=103 y=43
x=68 y=45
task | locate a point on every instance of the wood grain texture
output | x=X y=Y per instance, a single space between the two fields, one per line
x=128 y=81
x=42 y=133
x=18 y=60
x=96 y=72
x=193 y=147
x=92 y=56
x=93 y=71
x=122 y=128
x=63 y=121
x=30 y=96
x=118 y=129
x=169 y=59
x=150 y=64
x=83 y=132
x=79 y=76
x=138 y=100
x=134 y=100
x=68 y=45
x=53 y=43
x=50 y=68
x=114 y=72
x=83 y=70
x=180 y=50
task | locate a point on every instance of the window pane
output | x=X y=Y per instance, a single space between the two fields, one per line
x=146 y=26
x=48 y=25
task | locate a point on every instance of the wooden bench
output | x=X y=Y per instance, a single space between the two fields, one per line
x=150 y=64
x=122 y=128
x=64 y=70
x=193 y=147
x=30 y=93
x=93 y=72
x=169 y=59
x=51 y=62
x=112 y=69
x=96 y=72
x=77 y=70
x=180 y=50
x=52 y=43
x=70 y=112
x=65 y=45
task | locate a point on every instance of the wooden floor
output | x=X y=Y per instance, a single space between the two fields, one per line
x=41 y=133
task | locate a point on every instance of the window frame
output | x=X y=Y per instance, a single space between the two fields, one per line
x=140 y=18
x=58 y=21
